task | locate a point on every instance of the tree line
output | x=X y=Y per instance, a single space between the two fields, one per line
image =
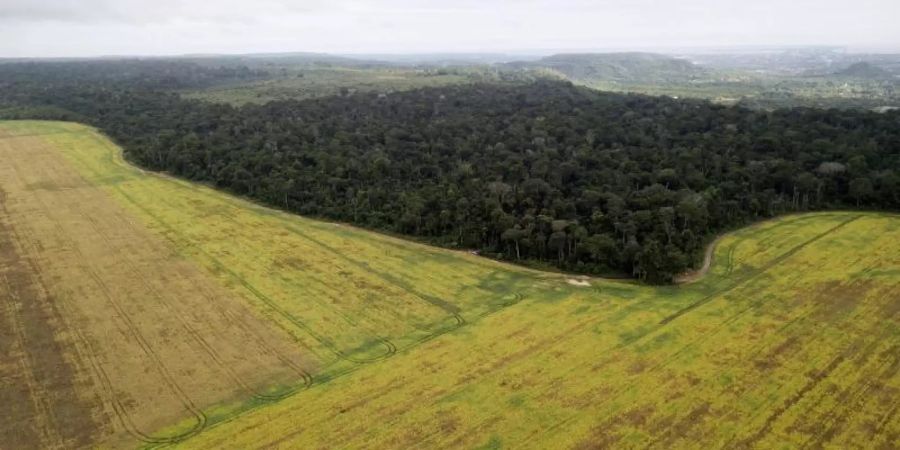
x=541 y=172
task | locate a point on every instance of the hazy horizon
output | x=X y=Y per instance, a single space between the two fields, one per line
x=92 y=28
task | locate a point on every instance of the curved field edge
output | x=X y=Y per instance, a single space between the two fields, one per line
x=711 y=249
x=639 y=312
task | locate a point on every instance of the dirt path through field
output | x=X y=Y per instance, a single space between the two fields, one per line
x=694 y=275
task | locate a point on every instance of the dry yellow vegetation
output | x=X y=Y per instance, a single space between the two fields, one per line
x=144 y=310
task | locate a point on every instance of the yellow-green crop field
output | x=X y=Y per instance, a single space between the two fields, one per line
x=137 y=310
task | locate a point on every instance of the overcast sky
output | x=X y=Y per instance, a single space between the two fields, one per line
x=165 y=27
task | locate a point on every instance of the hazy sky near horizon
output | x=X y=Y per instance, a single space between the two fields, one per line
x=40 y=28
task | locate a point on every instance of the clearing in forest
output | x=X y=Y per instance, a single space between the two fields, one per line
x=140 y=310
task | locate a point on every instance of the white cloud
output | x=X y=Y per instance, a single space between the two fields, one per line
x=92 y=27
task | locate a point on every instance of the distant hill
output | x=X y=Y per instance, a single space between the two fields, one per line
x=295 y=59
x=619 y=67
x=864 y=70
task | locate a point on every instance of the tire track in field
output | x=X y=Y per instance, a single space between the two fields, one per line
x=195 y=335
x=792 y=400
x=524 y=354
x=756 y=350
x=120 y=410
x=757 y=304
x=443 y=304
x=230 y=317
x=156 y=361
x=390 y=348
x=888 y=416
x=136 y=275
x=448 y=307
x=11 y=262
x=225 y=200
x=90 y=353
x=344 y=355
x=769 y=265
x=452 y=310
x=440 y=303
x=517 y=298
x=740 y=281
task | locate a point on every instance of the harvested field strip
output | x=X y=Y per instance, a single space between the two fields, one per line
x=38 y=210
x=161 y=298
x=133 y=330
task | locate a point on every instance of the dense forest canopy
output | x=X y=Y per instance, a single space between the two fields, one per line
x=544 y=172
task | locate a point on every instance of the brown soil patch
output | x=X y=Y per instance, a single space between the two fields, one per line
x=772 y=358
x=639 y=416
x=602 y=436
x=677 y=429
x=41 y=405
x=835 y=299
